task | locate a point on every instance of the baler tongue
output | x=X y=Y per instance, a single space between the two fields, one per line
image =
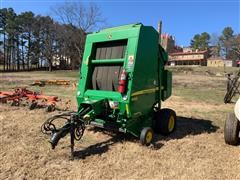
x=74 y=125
x=92 y=108
x=75 y=122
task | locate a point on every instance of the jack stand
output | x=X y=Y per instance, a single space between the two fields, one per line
x=72 y=136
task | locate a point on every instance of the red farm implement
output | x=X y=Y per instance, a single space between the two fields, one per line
x=32 y=98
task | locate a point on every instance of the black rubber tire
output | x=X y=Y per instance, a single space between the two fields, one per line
x=50 y=108
x=231 y=129
x=15 y=103
x=162 y=118
x=32 y=105
x=144 y=134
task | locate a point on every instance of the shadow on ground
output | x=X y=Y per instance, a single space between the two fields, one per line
x=192 y=126
x=99 y=148
x=185 y=126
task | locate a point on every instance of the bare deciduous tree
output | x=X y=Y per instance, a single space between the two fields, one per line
x=84 y=17
x=79 y=19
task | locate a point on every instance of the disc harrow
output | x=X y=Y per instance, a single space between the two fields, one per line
x=31 y=98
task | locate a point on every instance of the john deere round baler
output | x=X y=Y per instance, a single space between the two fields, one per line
x=122 y=83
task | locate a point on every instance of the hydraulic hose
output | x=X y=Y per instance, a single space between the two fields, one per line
x=74 y=125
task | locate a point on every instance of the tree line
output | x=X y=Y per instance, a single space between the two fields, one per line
x=29 y=41
x=226 y=45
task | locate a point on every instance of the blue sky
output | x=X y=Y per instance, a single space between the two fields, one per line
x=182 y=19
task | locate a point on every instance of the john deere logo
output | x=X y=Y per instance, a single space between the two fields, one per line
x=109 y=36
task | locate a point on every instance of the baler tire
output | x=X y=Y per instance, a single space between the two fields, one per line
x=146 y=136
x=165 y=121
x=231 y=130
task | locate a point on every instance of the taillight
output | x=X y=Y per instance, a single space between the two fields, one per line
x=122 y=82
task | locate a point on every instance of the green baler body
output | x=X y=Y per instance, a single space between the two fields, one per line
x=148 y=82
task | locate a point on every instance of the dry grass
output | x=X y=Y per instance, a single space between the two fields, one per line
x=196 y=150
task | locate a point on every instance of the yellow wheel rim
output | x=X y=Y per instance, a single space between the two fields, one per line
x=149 y=137
x=171 y=124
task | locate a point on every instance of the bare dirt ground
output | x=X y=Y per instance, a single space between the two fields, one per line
x=196 y=150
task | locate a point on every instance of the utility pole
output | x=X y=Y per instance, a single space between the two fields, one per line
x=159 y=31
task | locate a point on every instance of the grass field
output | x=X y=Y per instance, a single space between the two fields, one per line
x=196 y=150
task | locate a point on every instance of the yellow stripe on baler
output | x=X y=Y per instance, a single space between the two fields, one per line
x=145 y=91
